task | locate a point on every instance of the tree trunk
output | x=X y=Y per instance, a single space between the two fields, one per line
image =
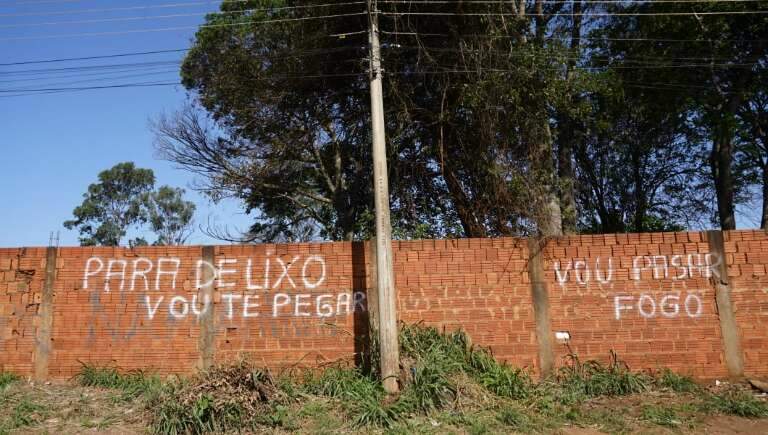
x=640 y=200
x=568 y=136
x=548 y=214
x=567 y=185
x=764 y=220
x=720 y=160
x=464 y=209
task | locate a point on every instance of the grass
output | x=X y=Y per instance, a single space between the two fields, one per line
x=24 y=413
x=7 y=379
x=593 y=379
x=736 y=402
x=131 y=384
x=447 y=386
x=676 y=382
x=662 y=416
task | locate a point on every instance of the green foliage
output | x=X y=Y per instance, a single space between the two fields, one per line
x=514 y=418
x=229 y=397
x=675 y=382
x=170 y=216
x=122 y=199
x=112 y=205
x=500 y=379
x=594 y=379
x=343 y=383
x=736 y=402
x=7 y=378
x=440 y=372
x=663 y=416
x=371 y=411
x=24 y=413
x=132 y=384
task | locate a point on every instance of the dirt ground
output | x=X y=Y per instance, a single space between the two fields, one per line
x=65 y=408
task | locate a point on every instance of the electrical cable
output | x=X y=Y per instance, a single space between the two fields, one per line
x=587 y=14
x=106 y=56
x=168 y=29
x=163 y=6
x=158 y=17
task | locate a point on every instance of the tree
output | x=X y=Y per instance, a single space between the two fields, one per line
x=287 y=128
x=285 y=123
x=170 y=216
x=124 y=198
x=111 y=206
x=714 y=58
x=639 y=163
x=753 y=142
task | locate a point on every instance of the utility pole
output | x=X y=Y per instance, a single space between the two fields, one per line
x=388 y=340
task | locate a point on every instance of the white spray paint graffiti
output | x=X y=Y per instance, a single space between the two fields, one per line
x=140 y=273
x=247 y=306
x=583 y=273
x=667 y=305
x=676 y=267
x=144 y=274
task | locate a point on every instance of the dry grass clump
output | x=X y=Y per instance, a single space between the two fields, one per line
x=223 y=398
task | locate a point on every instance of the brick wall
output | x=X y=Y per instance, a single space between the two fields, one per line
x=649 y=297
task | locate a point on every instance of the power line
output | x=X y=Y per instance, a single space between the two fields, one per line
x=295 y=54
x=84 y=88
x=167 y=29
x=99 y=79
x=107 y=56
x=168 y=16
x=34 y=91
x=504 y=53
x=160 y=6
x=482 y=2
x=87 y=67
x=37 y=2
x=124 y=66
x=477 y=35
x=54 y=76
x=589 y=14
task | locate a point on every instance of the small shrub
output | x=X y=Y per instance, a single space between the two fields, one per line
x=233 y=397
x=430 y=388
x=341 y=383
x=24 y=413
x=499 y=378
x=595 y=379
x=514 y=418
x=132 y=384
x=661 y=416
x=736 y=402
x=7 y=379
x=370 y=411
x=675 y=382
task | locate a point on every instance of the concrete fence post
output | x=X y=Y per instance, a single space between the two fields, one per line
x=206 y=343
x=44 y=330
x=729 y=330
x=540 y=297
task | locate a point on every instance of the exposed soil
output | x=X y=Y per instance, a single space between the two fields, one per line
x=64 y=408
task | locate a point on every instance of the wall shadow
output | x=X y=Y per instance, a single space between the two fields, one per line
x=361 y=320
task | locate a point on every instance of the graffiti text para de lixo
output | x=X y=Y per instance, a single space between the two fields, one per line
x=145 y=274
x=256 y=280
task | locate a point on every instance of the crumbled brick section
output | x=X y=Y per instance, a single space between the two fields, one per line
x=622 y=292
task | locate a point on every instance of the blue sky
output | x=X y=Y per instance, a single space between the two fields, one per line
x=52 y=146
